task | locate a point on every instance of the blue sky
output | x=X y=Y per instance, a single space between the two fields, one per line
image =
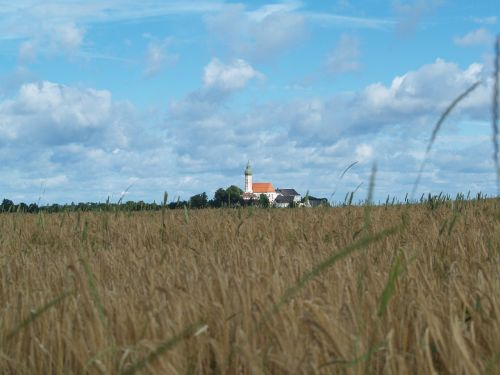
x=176 y=96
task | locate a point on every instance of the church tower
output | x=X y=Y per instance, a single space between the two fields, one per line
x=248 y=178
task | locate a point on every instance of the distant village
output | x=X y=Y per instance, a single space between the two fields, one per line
x=279 y=197
x=262 y=194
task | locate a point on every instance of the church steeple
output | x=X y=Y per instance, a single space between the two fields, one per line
x=248 y=170
x=248 y=178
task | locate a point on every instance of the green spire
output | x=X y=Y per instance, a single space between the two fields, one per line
x=248 y=170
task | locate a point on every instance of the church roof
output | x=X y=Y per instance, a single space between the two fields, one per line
x=263 y=187
x=284 y=199
x=291 y=192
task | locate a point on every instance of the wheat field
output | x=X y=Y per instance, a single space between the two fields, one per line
x=347 y=290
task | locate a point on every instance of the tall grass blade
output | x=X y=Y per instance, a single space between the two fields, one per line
x=316 y=270
x=452 y=223
x=123 y=194
x=363 y=358
x=491 y=364
x=41 y=220
x=306 y=198
x=357 y=188
x=390 y=286
x=102 y=353
x=342 y=176
x=369 y=199
x=350 y=198
x=93 y=289
x=327 y=263
x=164 y=347
x=494 y=112
x=36 y=313
x=437 y=127
x=163 y=206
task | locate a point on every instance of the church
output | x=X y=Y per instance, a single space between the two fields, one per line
x=253 y=190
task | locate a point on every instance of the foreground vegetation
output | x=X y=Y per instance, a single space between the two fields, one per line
x=389 y=289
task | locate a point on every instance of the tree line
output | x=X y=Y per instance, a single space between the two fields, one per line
x=229 y=197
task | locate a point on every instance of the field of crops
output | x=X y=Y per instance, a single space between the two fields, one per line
x=390 y=290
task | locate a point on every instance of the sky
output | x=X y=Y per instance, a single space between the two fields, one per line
x=123 y=98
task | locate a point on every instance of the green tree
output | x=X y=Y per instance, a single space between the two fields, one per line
x=220 y=198
x=227 y=197
x=198 y=200
x=264 y=201
x=234 y=195
x=7 y=205
x=33 y=208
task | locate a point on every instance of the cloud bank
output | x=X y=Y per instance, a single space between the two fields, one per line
x=474 y=38
x=79 y=142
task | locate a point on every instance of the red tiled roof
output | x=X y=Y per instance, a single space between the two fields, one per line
x=263 y=187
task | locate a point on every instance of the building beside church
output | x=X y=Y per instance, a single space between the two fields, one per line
x=279 y=197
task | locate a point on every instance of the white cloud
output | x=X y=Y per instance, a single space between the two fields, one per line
x=233 y=76
x=345 y=56
x=10 y=83
x=158 y=57
x=66 y=139
x=305 y=143
x=25 y=19
x=52 y=38
x=260 y=34
x=364 y=153
x=427 y=90
x=267 y=10
x=491 y=20
x=56 y=181
x=410 y=14
x=55 y=27
x=411 y=103
x=54 y=114
x=476 y=37
x=342 y=21
x=67 y=37
x=65 y=104
x=220 y=82
x=27 y=51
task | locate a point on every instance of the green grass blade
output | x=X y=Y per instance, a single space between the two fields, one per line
x=163 y=207
x=93 y=290
x=437 y=127
x=452 y=223
x=390 y=286
x=492 y=364
x=327 y=263
x=124 y=193
x=163 y=347
x=494 y=112
x=369 y=199
x=36 y=313
x=363 y=358
x=102 y=353
x=318 y=269
x=342 y=176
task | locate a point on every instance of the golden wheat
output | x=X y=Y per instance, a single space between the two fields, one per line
x=252 y=291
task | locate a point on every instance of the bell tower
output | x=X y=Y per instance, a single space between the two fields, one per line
x=248 y=178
